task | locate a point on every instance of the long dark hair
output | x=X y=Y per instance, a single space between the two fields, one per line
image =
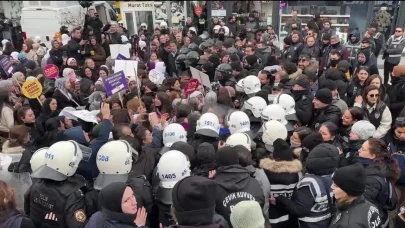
x=5 y=99
x=166 y=106
x=365 y=93
x=382 y=89
x=379 y=149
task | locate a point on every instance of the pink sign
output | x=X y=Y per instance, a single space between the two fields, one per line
x=51 y=71
x=191 y=86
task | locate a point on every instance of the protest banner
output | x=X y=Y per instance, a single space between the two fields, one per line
x=191 y=86
x=115 y=83
x=6 y=64
x=117 y=49
x=51 y=71
x=128 y=66
x=202 y=77
x=121 y=57
x=31 y=89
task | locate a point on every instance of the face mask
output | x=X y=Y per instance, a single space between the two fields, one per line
x=334 y=62
x=294 y=144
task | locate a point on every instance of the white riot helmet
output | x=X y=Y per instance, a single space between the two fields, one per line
x=208 y=125
x=239 y=139
x=174 y=132
x=172 y=167
x=114 y=161
x=144 y=25
x=287 y=102
x=216 y=28
x=238 y=121
x=38 y=158
x=226 y=29
x=256 y=105
x=274 y=112
x=251 y=84
x=239 y=86
x=61 y=161
x=273 y=130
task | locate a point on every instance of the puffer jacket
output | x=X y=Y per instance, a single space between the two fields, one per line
x=313 y=51
x=396 y=94
x=330 y=113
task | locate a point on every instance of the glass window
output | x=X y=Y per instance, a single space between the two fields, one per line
x=113 y=15
x=34 y=3
x=129 y=21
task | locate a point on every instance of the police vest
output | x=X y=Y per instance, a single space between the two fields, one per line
x=353 y=49
x=50 y=196
x=375 y=116
x=320 y=210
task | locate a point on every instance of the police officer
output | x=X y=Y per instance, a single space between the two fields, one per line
x=288 y=103
x=172 y=167
x=348 y=186
x=277 y=112
x=174 y=132
x=114 y=161
x=273 y=130
x=192 y=59
x=58 y=189
x=254 y=107
x=223 y=74
x=180 y=63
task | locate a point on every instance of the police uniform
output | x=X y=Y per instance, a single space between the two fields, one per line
x=353 y=49
x=65 y=199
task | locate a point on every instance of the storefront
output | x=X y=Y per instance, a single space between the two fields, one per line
x=344 y=16
x=134 y=13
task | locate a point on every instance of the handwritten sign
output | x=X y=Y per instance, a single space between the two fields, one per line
x=117 y=49
x=202 y=77
x=31 y=89
x=191 y=86
x=6 y=64
x=115 y=83
x=51 y=71
x=156 y=77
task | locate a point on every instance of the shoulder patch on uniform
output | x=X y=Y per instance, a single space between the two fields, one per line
x=80 y=215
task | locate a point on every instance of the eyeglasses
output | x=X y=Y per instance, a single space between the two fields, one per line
x=398 y=30
x=374 y=95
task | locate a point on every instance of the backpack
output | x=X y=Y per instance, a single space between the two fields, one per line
x=13 y=222
x=387 y=196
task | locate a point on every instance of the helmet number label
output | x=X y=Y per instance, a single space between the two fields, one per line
x=49 y=156
x=208 y=123
x=169 y=176
x=244 y=123
x=103 y=158
x=168 y=134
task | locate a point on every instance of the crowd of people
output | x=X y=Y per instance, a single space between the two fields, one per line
x=300 y=132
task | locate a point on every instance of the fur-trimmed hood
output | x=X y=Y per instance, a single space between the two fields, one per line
x=274 y=166
x=297 y=152
x=295 y=75
x=11 y=150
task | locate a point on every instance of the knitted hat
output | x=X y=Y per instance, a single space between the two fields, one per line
x=351 y=179
x=312 y=140
x=239 y=218
x=251 y=59
x=343 y=65
x=324 y=95
x=364 y=129
x=206 y=152
x=282 y=151
x=288 y=40
x=303 y=82
x=329 y=84
x=226 y=156
x=398 y=71
x=194 y=200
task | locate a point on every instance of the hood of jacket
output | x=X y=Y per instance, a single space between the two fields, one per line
x=295 y=75
x=233 y=177
x=7 y=149
x=76 y=134
x=367 y=53
x=355 y=32
x=334 y=74
x=274 y=166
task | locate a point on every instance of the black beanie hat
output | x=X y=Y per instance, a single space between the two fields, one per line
x=351 y=179
x=194 y=200
x=288 y=40
x=326 y=36
x=328 y=84
x=206 y=152
x=251 y=59
x=234 y=57
x=312 y=140
x=324 y=95
x=226 y=156
x=303 y=82
x=282 y=151
x=236 y=66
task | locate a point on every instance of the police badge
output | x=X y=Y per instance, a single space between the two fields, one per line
x=377 y=115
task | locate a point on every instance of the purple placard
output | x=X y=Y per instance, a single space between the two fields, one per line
x=5 y=63
x=121 y=57
x=115 y=83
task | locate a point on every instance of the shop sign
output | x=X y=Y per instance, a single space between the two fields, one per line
x=137 y=6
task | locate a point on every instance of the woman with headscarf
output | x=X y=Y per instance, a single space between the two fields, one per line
x=27 y=49
x=118 y=208
x=70 y=63
x=48 y=110
x=97 y=52
x=62 y=94
x=89 y=63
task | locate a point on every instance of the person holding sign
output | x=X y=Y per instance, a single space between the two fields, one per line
x=62 y=94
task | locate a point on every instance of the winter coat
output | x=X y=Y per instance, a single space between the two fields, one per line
x=55 y=57
x=74 y=49
x=385 y=122
x=393 y=49
x=283 y=176
x=371 y=61
x=339 y=78
x=235 y=184
x=303 y=106
x=99 y=56
x=360 y=213
x=355 y=89
x=396 y=94
x=6 y=119
x=330 y=113
x=63 y=101
x=29 y=55
x=312 y=51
